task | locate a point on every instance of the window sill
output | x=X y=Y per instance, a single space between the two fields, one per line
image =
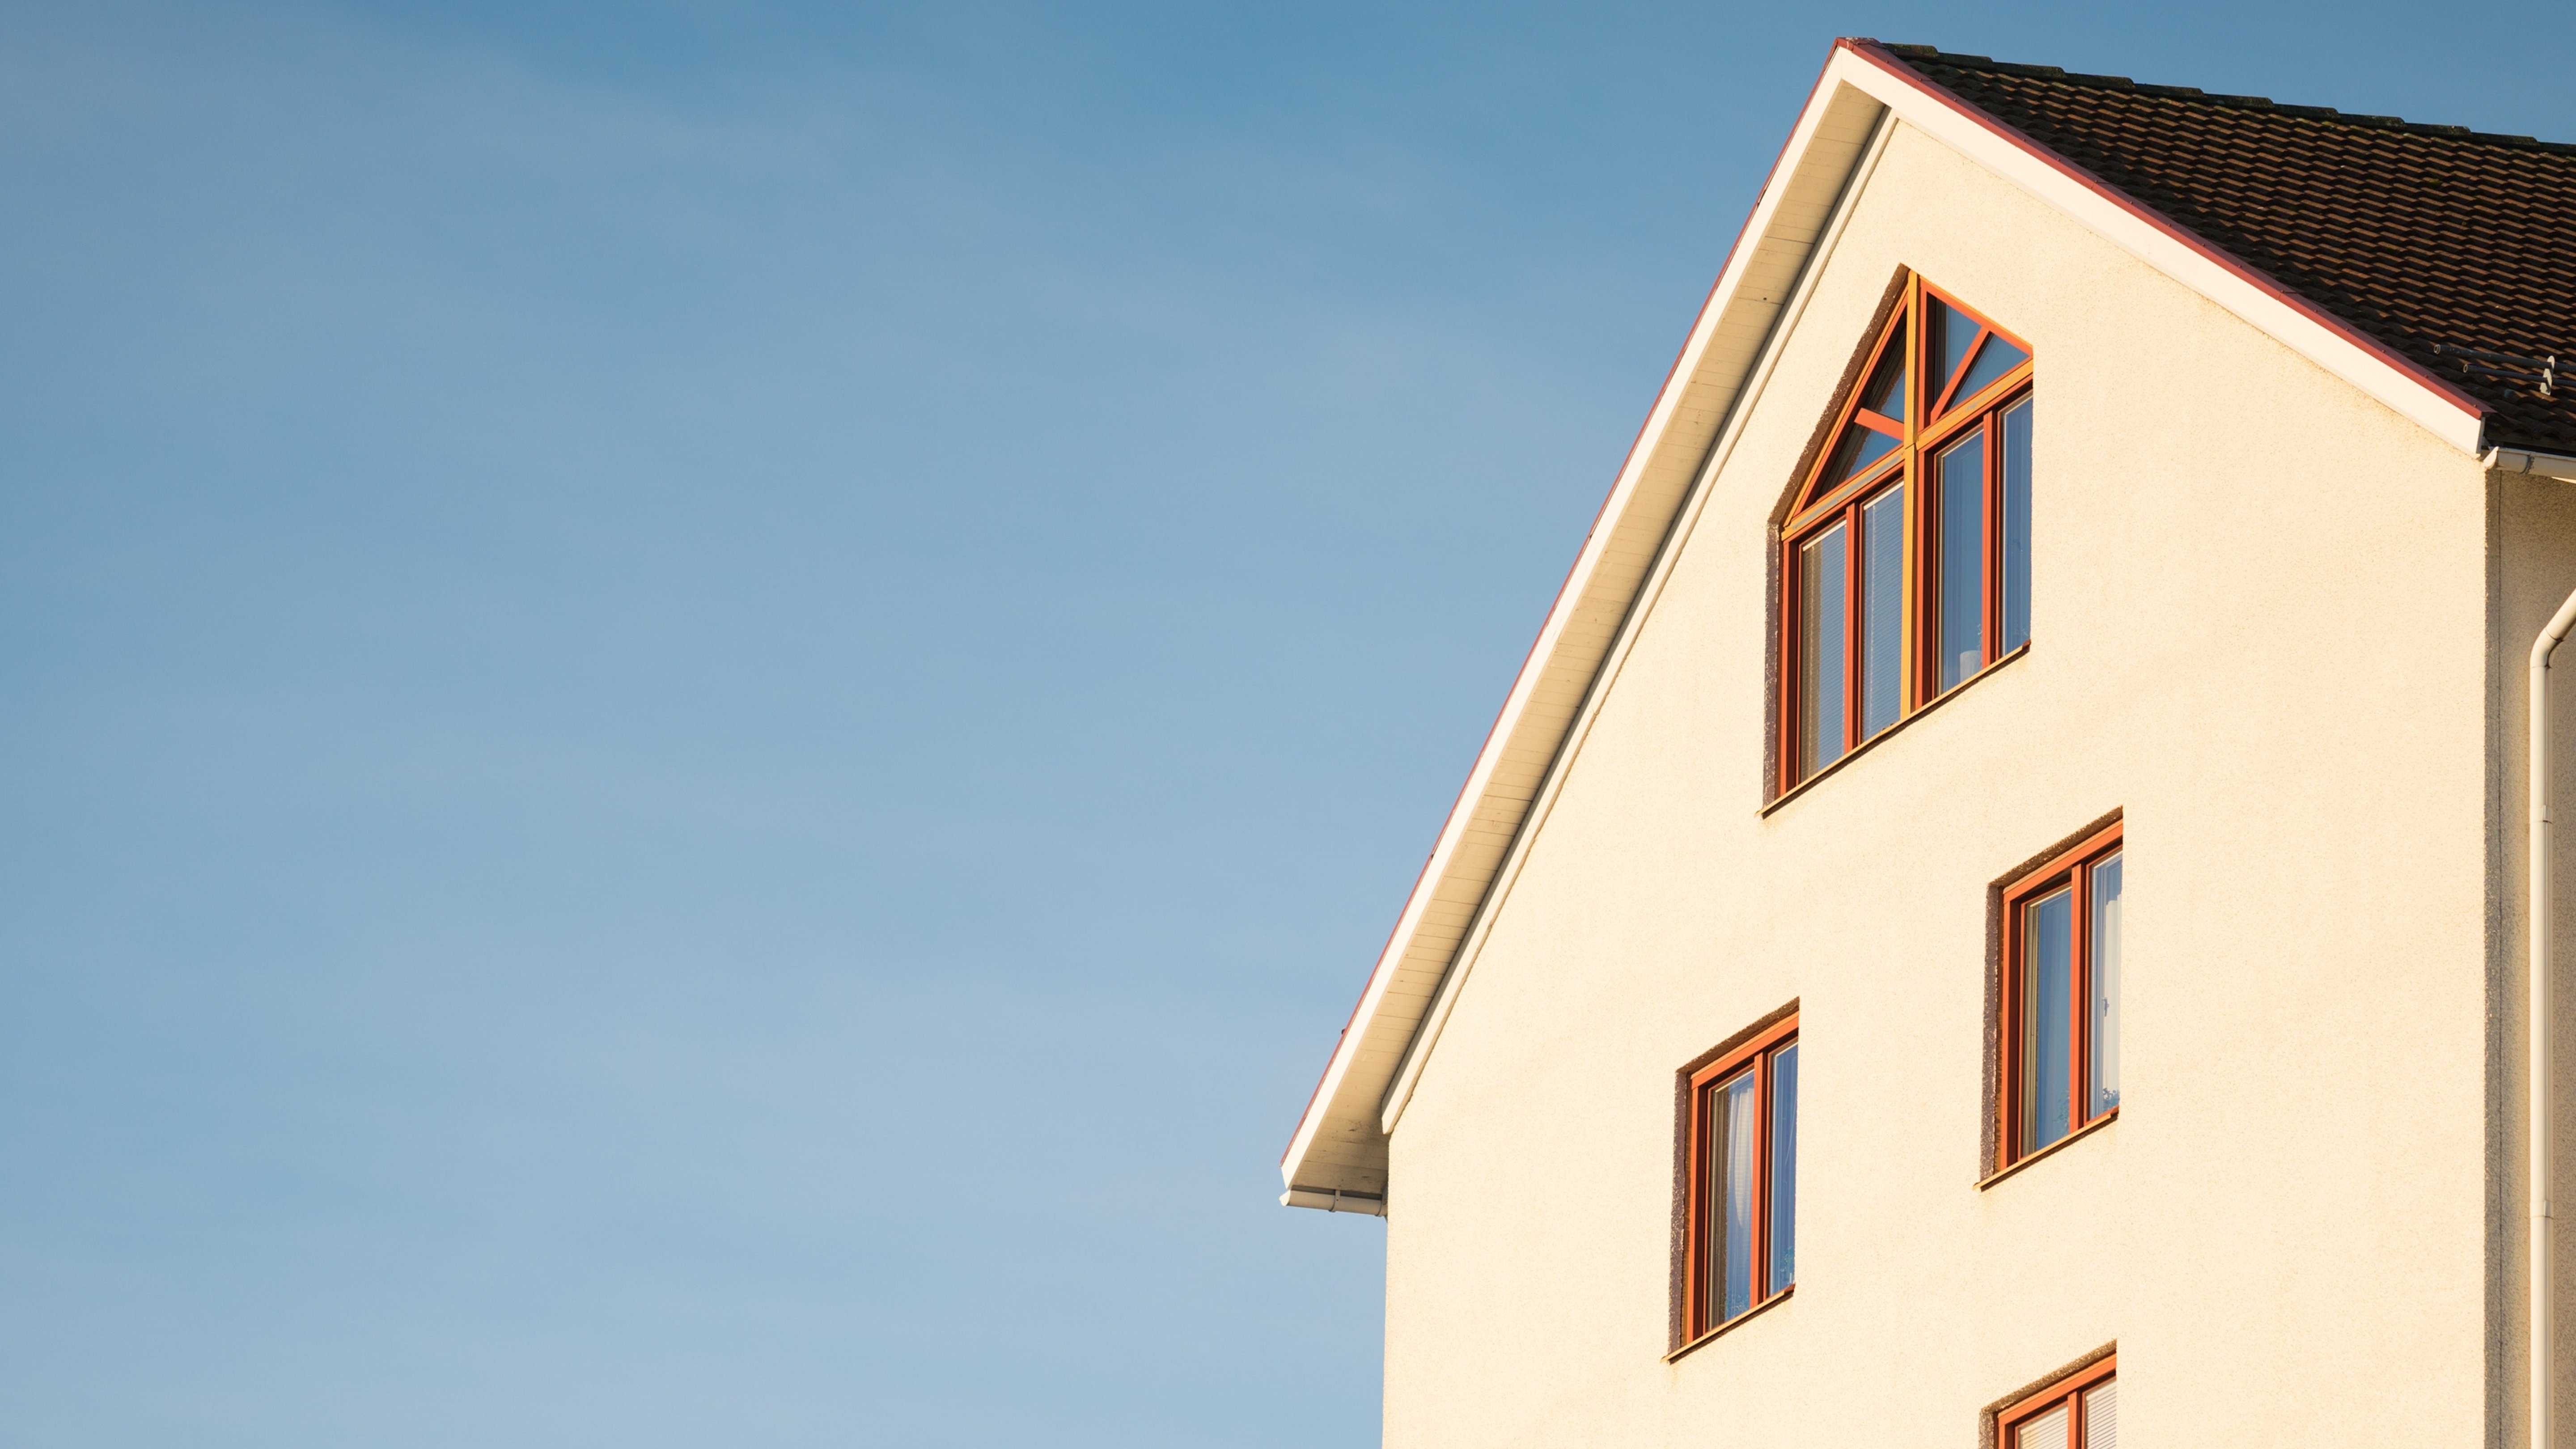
x=2052 y=1149
x=1732 y=1324
x=1874 y=741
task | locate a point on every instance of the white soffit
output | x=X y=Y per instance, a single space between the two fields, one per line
x=1338 y=1155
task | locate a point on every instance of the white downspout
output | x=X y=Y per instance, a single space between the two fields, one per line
x=2543 y=920
x=2538 y=1071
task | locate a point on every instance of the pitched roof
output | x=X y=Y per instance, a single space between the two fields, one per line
x=2370 y=247
x=2441 y=242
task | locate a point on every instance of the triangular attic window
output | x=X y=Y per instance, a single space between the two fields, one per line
x=1877 y=424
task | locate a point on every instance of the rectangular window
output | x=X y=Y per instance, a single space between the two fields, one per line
x=1743 y=1163
x=2079 y=1411
x=2061 y=997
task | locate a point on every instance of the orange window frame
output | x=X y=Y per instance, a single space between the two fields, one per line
x=1760 y=1055
x=1934 y=420
x=2069 y=1391
x=2073 y=869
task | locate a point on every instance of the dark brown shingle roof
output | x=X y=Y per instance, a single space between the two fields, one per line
x=2440 y=242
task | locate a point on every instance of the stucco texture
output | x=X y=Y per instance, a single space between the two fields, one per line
x=2266 y=618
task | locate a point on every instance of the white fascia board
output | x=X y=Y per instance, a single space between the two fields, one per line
x=2297 y=323
x=1735 y=321
x=1400 y=1092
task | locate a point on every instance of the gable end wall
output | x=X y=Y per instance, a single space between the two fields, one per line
x=2261 y=629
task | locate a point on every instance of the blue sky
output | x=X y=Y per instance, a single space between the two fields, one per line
x=709 y=709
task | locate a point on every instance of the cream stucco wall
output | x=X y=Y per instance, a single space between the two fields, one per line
x=2266 y=611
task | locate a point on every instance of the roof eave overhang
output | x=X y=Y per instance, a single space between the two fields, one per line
x=1338 y=1154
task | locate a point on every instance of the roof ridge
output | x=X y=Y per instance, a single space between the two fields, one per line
x=1927 y=54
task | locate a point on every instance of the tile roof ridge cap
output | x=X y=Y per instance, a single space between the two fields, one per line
x=1935 y=55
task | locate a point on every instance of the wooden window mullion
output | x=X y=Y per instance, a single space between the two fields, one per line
x=1909 y=691
x=1910 y=618
x=1925 y=648
x=1920 y=663
x=1712 y=1188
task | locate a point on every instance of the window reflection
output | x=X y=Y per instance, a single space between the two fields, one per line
x=1734 y=1164
x=1952 y=335
x=1994 y=359
x=1861 y=446
x=1882 y=611
x=1823 y=587
x=1784 y=1167
x=2106 y=986
x=1962 y=640
x=2016 y=549
x=2048 y=976
x=1885 y=394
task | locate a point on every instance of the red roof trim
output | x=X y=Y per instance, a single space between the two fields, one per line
x=1886 y=60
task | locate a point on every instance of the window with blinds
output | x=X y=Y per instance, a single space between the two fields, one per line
x=2081 y=1410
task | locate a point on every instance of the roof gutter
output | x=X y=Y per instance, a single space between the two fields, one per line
x=2538 y=465
x=1335 y=1200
